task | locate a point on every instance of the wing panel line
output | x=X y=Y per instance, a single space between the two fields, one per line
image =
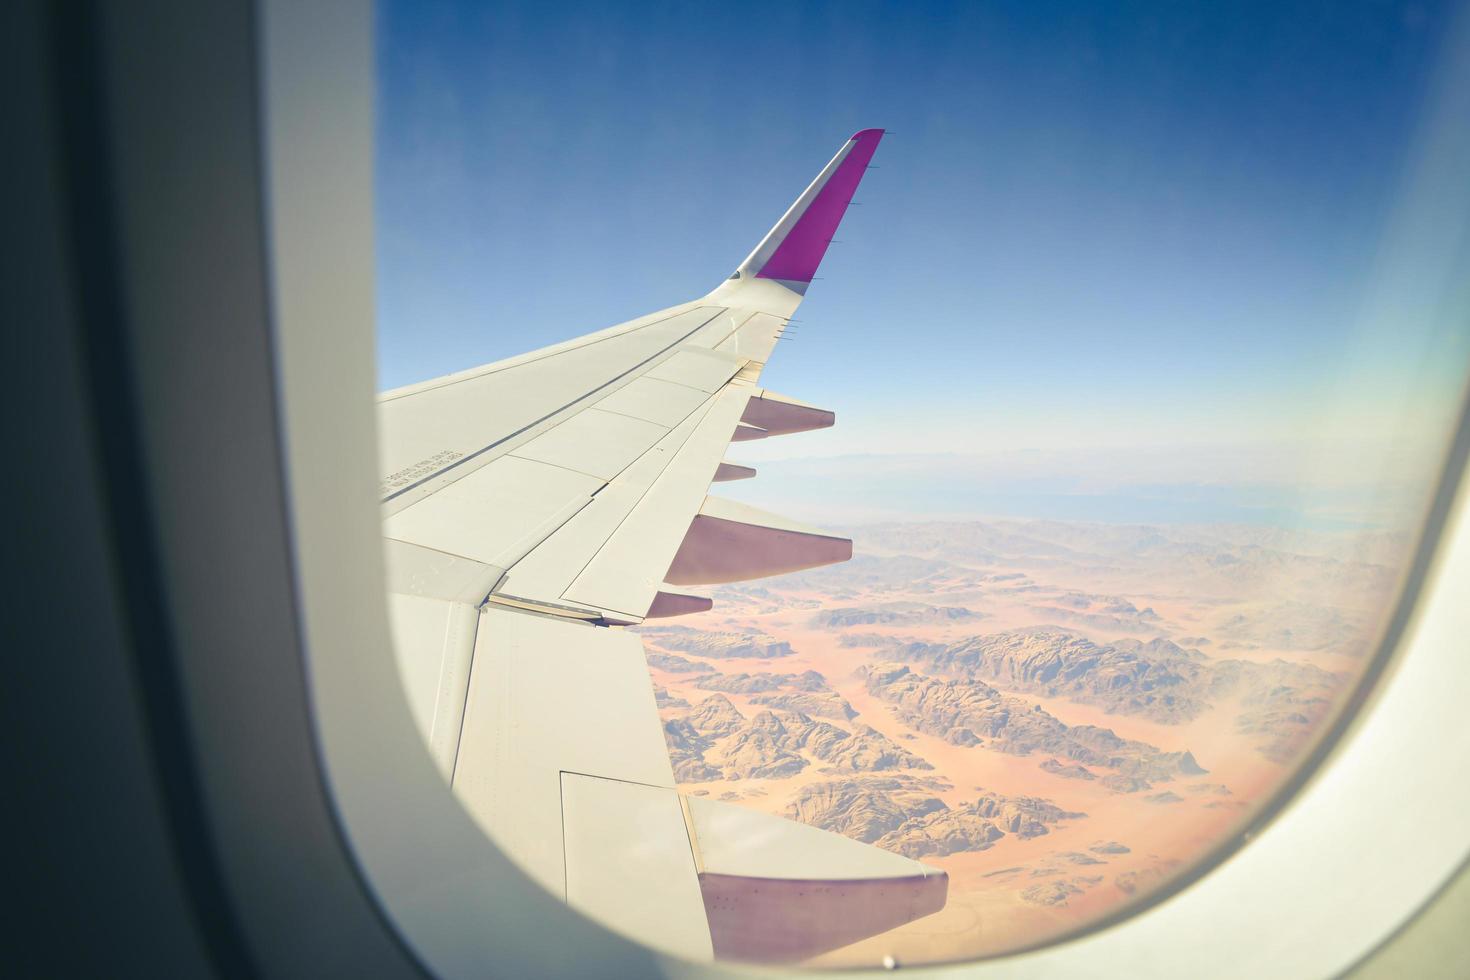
x=702 y=412
x=531 y=357
x=531 y=425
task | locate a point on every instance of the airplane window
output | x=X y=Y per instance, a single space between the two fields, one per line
x=1145 y=346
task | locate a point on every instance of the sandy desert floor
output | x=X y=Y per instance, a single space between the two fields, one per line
x=1231 y=644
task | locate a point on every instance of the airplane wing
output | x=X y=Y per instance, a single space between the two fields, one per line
x=532 y=506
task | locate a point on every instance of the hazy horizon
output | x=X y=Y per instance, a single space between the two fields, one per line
x=1165 y=234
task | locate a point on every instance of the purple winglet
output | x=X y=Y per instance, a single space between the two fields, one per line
x=797 y=257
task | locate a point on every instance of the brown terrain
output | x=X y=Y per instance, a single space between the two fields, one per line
x=1061 y=716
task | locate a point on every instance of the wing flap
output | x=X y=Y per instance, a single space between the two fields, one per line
x=779 y=415
x=628 y=570
x=629 y=864
x=776 y=890
x=549 y=569
x=548 y=696
x=733 y=542
x=729 y=472
x=668 y=603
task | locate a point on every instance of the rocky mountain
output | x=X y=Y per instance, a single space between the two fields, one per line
x=974 y=713
x=1207 y=789
x=1067 y=772
x=1128 y=620
x=827 y=704
x=866 y=570
x=1142 y=879
x=758 y=749
x=897 y=815
x=1112 y=613
x=942 y=832
x=709 y=643
x=805 y=693
x=1050 y=893
x=673 y=664
x=1296 y=626
x=864 y=809
x=890 y=613
x=878 y=641
x=1157 y=679
x=807 y=680
x=861 y=750
x=715 y=740
x=686 y=752
x=715 y=717
x=1282 y=703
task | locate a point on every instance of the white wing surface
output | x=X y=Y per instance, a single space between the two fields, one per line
x=531 y=507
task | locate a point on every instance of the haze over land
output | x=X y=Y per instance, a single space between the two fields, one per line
x=1061 y=715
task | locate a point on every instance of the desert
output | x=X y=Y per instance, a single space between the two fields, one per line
x=1063 y=716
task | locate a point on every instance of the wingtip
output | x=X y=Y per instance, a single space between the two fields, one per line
x=867 y=134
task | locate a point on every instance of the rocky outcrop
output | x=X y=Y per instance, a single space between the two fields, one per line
x=716 y=740
x=1143 y=879
x=861 y=750
x=972 y=712
x=828 y=704
x=1052 y=893
x=714 y=644
x=1065 y=771
x=756 y=683
x=863 y=809
x=1158 y=679
x=1281 y=702
x=890 y=613
x=806 y=693
x=686 y=753
x=943 y=832
x=1207 y=789
x=672 y=664
x=1297 y=626
x=1024 y=816
x=895 y=814
x=1120 y=783
x=715 y=717
x=756 y=750
x=867 y=571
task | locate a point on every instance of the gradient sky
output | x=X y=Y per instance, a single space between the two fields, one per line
x=1106 y=225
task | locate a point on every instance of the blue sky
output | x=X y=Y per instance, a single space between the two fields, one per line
x=1149 y=227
